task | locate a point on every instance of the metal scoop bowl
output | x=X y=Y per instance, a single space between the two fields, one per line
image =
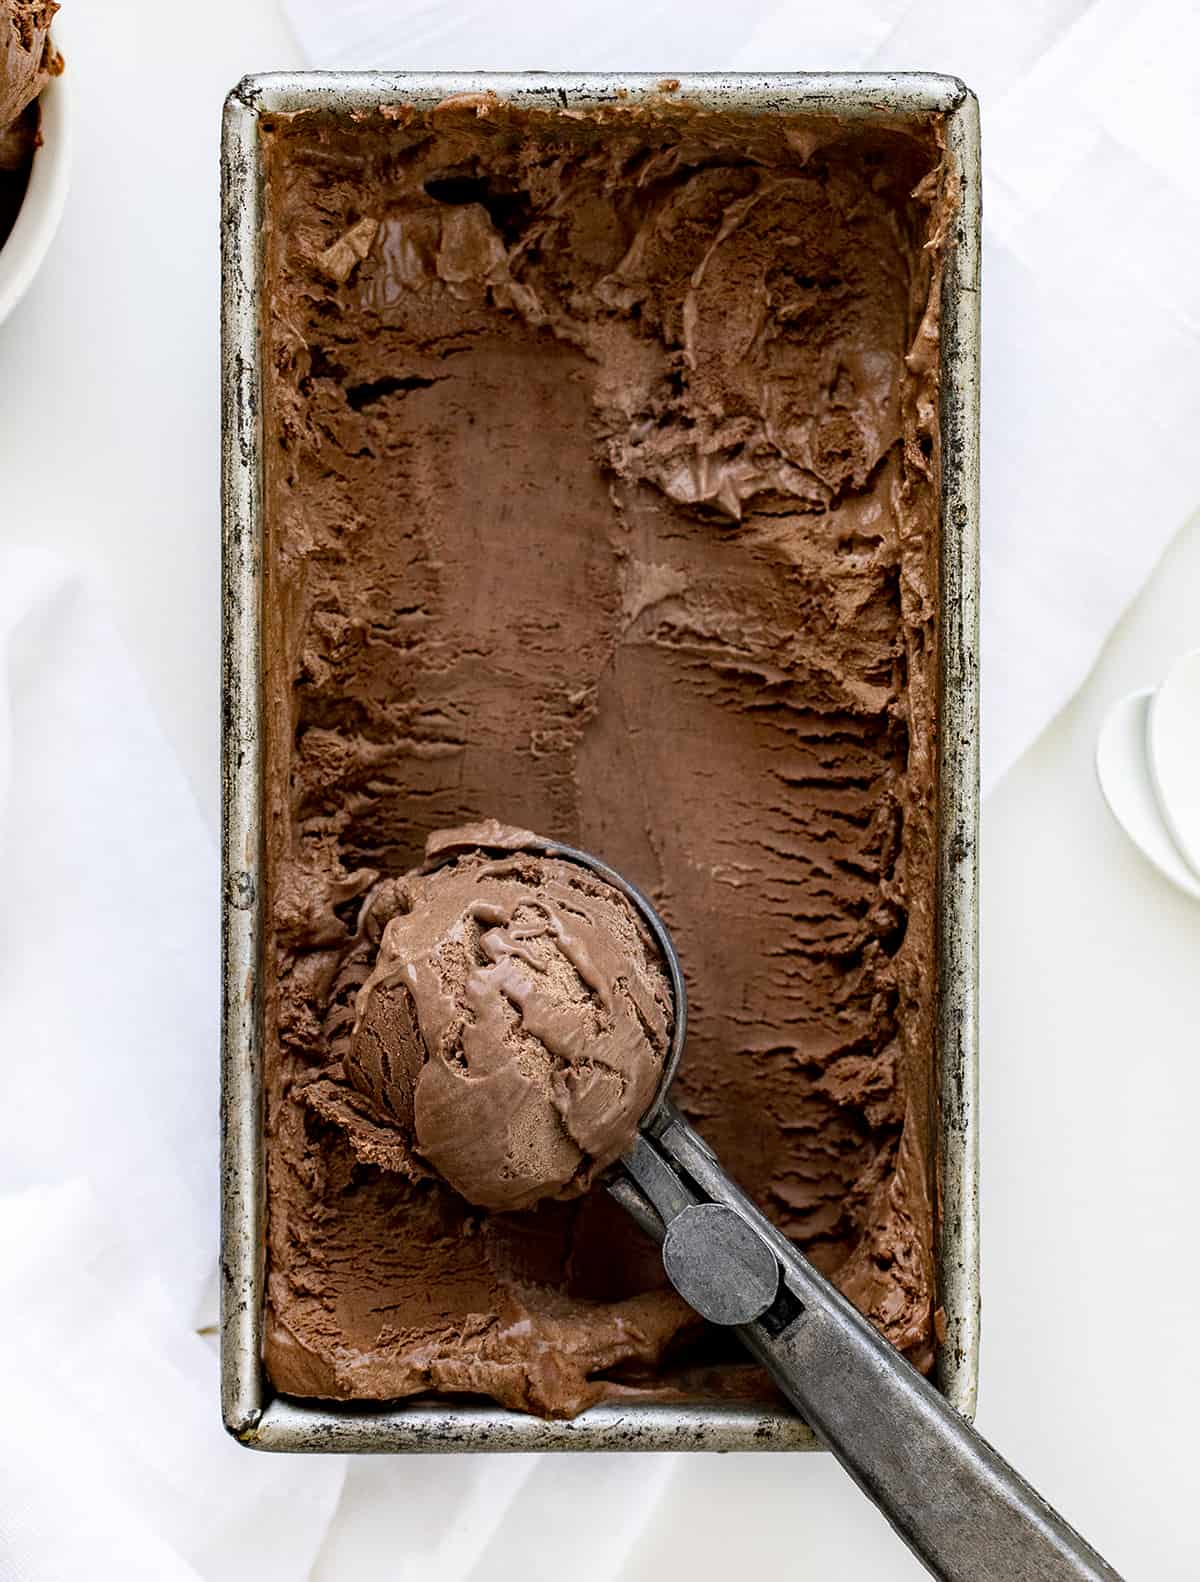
x=956 y=1503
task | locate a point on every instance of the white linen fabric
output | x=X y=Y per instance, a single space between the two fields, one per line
x=113 y=1461
x=1091 y=295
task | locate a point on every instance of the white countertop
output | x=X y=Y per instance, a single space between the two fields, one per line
x=1091 y=1083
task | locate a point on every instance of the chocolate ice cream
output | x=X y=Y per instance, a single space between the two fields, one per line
x=28 y=60
x=513 y=1029
x=602 y=497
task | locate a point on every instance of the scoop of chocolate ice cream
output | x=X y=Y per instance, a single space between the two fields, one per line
x=27 y=58
x=513 y=1030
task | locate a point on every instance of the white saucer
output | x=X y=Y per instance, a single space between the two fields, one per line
x=1173 y=737
x=1122 y=764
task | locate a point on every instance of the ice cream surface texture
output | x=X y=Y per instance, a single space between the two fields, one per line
x=601 y=498
x=28 y=60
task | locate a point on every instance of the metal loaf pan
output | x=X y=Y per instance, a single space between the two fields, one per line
x=251 y=1412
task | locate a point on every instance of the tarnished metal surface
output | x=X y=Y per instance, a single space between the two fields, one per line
x=241 y=778
x=957 y=1364
x=955 y=1502
x=250 y=1412
x=442 y=1428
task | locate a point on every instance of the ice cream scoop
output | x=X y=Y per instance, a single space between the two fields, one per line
x=515 y=1026
x=962 y=1509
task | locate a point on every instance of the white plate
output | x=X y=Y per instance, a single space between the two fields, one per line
x=1123 y=767
x=1174 y=753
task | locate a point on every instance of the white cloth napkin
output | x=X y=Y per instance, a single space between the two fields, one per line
x=113 y=1462
x=1091 y=120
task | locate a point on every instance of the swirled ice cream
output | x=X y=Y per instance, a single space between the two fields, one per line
x=602 y=498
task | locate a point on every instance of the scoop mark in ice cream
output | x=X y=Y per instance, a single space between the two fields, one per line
x=512 y=1032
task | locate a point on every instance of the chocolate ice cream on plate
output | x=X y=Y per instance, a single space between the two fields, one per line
x=34 y=142
x=28 y=61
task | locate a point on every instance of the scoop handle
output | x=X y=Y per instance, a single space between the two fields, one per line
x=956 y=1503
